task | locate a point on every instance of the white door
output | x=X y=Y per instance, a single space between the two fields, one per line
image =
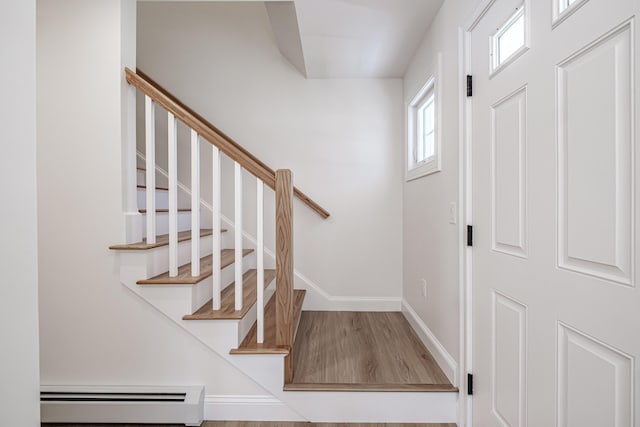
x=556 y=299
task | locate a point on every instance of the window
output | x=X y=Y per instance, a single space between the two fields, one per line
x=509 y=40
x=423 y=140
x=425 y=147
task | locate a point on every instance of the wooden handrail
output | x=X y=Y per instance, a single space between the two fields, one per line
x=284 y=268
x=212 y=134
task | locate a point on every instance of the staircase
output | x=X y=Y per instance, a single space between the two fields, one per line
x=217 y=284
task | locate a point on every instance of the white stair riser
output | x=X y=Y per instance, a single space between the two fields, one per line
x=150 y=263
x=141 y=178
x=162 y=199
x=162 y=222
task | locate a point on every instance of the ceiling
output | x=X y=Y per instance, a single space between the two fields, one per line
x=361 y=38
x=349 y=38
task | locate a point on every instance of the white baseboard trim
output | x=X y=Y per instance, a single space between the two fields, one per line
x=318 y=299
x=447 y=363
x=247 y=408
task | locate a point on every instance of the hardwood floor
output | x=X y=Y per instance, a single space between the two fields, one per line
x=253 y=424
x=365 y=351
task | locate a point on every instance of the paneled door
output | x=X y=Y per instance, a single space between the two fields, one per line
x=556 y=299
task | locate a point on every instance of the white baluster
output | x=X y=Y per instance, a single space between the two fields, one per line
x=195 y=204
x=238 y=234
x=260 y=258
x=172 y=131
x=217 y=232
x=150 y=178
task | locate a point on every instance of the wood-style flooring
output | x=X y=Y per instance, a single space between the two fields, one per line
x=365 y=351
x=253 y=424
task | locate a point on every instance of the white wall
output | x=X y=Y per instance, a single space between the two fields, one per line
x=19 y=376
x=431 y=244
x=341 y=138
x=93 y=330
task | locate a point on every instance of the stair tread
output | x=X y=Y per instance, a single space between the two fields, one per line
x=370 y=387
x=227 y=310
x=161 y=240
x=144 y=187
x=250 y=343
x=144 y=211
x=227 y=257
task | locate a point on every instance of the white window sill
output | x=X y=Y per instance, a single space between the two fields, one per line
x=425 y=169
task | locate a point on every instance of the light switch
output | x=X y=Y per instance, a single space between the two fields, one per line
x=453 y=213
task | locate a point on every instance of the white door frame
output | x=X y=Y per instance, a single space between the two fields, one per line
x=465 y=190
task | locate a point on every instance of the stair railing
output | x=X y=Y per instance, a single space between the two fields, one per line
x=280 y=181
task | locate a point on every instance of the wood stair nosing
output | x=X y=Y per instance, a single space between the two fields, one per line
x=227 y=310
x=184 y=277
x=370 y=387
x=144 y=187
x=144 y=211
x=250 y=343
x=161 y=240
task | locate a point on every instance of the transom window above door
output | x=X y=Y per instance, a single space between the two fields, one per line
x=509 y=40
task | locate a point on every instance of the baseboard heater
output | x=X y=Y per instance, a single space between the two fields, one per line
x=130 y=404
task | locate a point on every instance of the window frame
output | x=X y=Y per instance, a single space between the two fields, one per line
x=494 y=39
x=432 y=87
x=562 y=9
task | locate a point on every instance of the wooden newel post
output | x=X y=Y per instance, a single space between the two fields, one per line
x=284 y=267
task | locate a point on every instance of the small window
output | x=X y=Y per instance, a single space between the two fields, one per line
x=423 y=140
x=509 y=40
x=425 y=143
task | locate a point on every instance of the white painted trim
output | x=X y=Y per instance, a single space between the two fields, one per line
x=465 y=217
x=447 y=363
x=465 y=414
x=247 y=408
x=317 y=298
x=477 y=14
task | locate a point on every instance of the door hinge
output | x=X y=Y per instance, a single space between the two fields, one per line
x=469 y=235
x=470 y=384
x=469 y=85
